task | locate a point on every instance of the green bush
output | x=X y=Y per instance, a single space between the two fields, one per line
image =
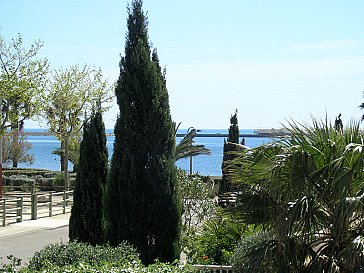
x=28 y=172
x=59 y=255
x=18 y=182
x=50 y=174
x=6 y=180
x=80 y=257
x=59 y=180
x=46 y=183
x=21 y=179
x=246 y=257
x=217 y=240
x=129 y=266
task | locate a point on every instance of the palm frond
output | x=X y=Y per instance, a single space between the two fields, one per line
x=186 y=148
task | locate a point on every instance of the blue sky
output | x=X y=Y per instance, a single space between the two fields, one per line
x=272 y=60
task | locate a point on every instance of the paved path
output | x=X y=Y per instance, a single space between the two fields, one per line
x=23 y=239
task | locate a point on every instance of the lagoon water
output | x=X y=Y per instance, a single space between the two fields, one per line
x=42 y=147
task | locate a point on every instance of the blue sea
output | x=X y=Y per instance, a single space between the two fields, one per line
x=42 y=147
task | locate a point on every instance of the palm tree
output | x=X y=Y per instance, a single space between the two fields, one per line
x=186 y=148
x=307 y=192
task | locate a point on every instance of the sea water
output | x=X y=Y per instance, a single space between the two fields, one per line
x=42 y=147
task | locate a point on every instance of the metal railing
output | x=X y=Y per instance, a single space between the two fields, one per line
x=11 y=210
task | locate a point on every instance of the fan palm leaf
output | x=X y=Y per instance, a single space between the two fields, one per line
x=308 y=190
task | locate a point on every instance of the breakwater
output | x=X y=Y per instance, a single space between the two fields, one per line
x=245 y=135
x=43 y=144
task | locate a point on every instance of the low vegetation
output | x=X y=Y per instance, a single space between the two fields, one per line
x=18 y=179
x=306 y=192
x=80 y=257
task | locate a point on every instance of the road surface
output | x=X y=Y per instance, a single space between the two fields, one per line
x=22 y=240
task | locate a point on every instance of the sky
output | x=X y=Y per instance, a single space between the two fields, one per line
x=272 y=60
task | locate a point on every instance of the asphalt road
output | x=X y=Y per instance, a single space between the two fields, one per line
x=24 y=245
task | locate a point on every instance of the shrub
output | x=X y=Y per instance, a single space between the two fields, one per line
x=91 y=259
x=217 y=240
x=134 y=266
x=28 y=172
x=6 y=180
x=19 y=182
x=197 y=206
x=50 y=174
x=59 y=255
x=246 y=258
x=59 y=180
x=46 y=183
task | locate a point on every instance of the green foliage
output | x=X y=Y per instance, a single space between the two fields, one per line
x=73 y=150
x=142 y=203
x=58 y=180
x=22 y=81
x=128 y=267
x=230 y=147
x=74 y=93
x=86 y=222
x=18 y=182
x=244 y=258
x=44 y=179
x=15 y=148
x=307 y=191
x=134 y=266
x=13 y=266
x=28 y=172
x=79 y=257
x=61 y=254
x=197 y=205
x=186 y=148
x=217 y=239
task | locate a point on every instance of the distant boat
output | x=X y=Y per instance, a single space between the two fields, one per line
x=198 y=130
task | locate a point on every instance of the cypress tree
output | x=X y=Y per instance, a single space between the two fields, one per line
x=86 y=221
x=142 y=204
x=229 y=148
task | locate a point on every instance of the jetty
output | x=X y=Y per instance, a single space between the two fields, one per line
x=222 y=135
x=262 y=133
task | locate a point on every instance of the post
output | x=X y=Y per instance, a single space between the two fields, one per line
x=4 y=212
x=64 y=202
x=50 y=204
x=1 y=152
x=1 y=168
x=19 y=211
x=34 y=203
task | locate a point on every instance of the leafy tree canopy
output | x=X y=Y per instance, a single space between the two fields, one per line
x=23 y=80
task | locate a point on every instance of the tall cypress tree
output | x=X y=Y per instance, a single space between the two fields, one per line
x=229 y=148
x=87 y=212
x=142 y=204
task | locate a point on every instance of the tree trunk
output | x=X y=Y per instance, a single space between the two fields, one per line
x=15 y=145
x=65 y=161
x=62 y=155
